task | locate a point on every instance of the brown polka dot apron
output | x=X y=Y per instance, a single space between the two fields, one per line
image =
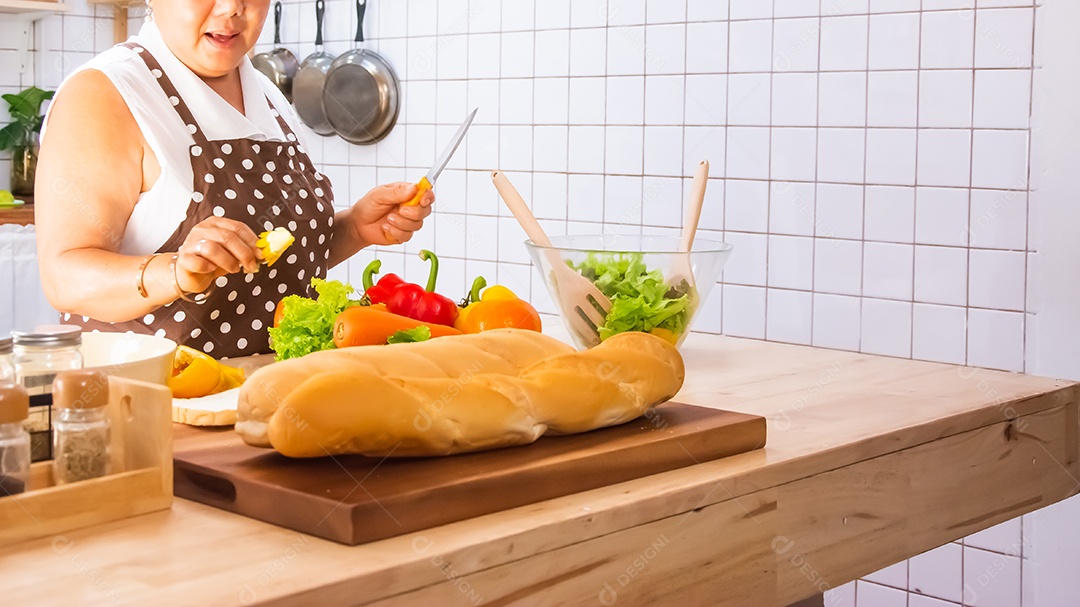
x=264 y=184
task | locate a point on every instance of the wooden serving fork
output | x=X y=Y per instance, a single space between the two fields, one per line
x=583 y=305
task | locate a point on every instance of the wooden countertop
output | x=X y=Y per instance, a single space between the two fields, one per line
x=870 y=460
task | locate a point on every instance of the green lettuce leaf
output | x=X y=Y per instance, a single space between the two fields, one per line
x=407 y=336
x=307 y=325
x=640 y=300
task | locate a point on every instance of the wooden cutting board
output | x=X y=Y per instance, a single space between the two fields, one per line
x=357 y=499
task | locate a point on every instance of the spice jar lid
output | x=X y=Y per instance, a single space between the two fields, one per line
x=49 y=335
x=5 y=345
x=14 y=404
x=84 y=389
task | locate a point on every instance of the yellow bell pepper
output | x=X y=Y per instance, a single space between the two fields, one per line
x=197 y=374
x=473 y=297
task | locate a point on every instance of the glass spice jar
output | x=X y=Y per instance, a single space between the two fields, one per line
x=7 y=364
x=38 y=356
x=14 y=440
x=81 y=431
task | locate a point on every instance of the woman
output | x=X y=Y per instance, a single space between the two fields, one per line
x=161 y=161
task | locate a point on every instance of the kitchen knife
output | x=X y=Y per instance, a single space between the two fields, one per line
x=428 y=181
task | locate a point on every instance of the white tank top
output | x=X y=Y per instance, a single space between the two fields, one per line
x=160 y=209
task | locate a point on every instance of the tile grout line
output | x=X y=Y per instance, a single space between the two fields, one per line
x=971 y=172
x=915 y=188
x=817 y=168
x=768 y=173
x=1027 y=209
x=727 y=154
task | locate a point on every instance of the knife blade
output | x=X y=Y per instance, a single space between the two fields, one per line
x=428 y=181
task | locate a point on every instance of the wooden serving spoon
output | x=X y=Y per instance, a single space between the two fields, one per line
x=681 y=273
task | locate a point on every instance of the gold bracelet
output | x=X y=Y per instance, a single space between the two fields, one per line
x=176 y=280
x=140 y=283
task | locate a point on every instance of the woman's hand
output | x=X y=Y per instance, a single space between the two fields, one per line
x=215 y=246
x=379 y=219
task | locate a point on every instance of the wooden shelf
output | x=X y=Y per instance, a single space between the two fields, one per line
x=120 y=16
x=32 y=6
x=26 y=13
x=20 y=215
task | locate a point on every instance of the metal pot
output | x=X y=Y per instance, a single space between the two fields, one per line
x=308 y=84
x=361 y=96
x=279 y=65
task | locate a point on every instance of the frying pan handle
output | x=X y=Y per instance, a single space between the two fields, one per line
x=361 y=8
x=277 y=22
x=320 y=9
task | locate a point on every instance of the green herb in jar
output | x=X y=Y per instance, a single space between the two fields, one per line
x=81 y=432
x=82 y=456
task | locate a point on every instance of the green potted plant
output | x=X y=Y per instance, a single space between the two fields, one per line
x=20 y=136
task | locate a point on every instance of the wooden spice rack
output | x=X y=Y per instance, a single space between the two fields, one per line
x=141 y=450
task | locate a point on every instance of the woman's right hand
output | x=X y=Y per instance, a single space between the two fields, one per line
x=215 y=246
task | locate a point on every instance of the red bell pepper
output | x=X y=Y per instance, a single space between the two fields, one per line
x=409 y=299
x=379 y=293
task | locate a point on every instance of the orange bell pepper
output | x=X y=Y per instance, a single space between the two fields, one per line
x=497 y=308
x=197 y=374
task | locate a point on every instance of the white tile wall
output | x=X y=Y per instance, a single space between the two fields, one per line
x=888 y=138
x=983 y=570
x=869 y=163
x=939 y=573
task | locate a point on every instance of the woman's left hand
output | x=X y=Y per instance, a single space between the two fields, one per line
x=379 y=219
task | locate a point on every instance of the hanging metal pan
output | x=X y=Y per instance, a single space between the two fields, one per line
x=279 y=65
x=308 y=84
x=361 y=96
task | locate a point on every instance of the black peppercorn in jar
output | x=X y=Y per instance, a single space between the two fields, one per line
x=14 y=440
x=81 y=430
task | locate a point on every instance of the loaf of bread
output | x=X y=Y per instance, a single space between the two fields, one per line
x=454 y=394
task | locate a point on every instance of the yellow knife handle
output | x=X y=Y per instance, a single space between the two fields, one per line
x=421 y=188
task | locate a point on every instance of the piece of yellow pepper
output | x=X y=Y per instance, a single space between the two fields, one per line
x=665 y=334
x=273 y=243
x=497 y=308
x=197 y=374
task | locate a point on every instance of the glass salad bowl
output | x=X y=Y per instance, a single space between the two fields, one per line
x=651 y=285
